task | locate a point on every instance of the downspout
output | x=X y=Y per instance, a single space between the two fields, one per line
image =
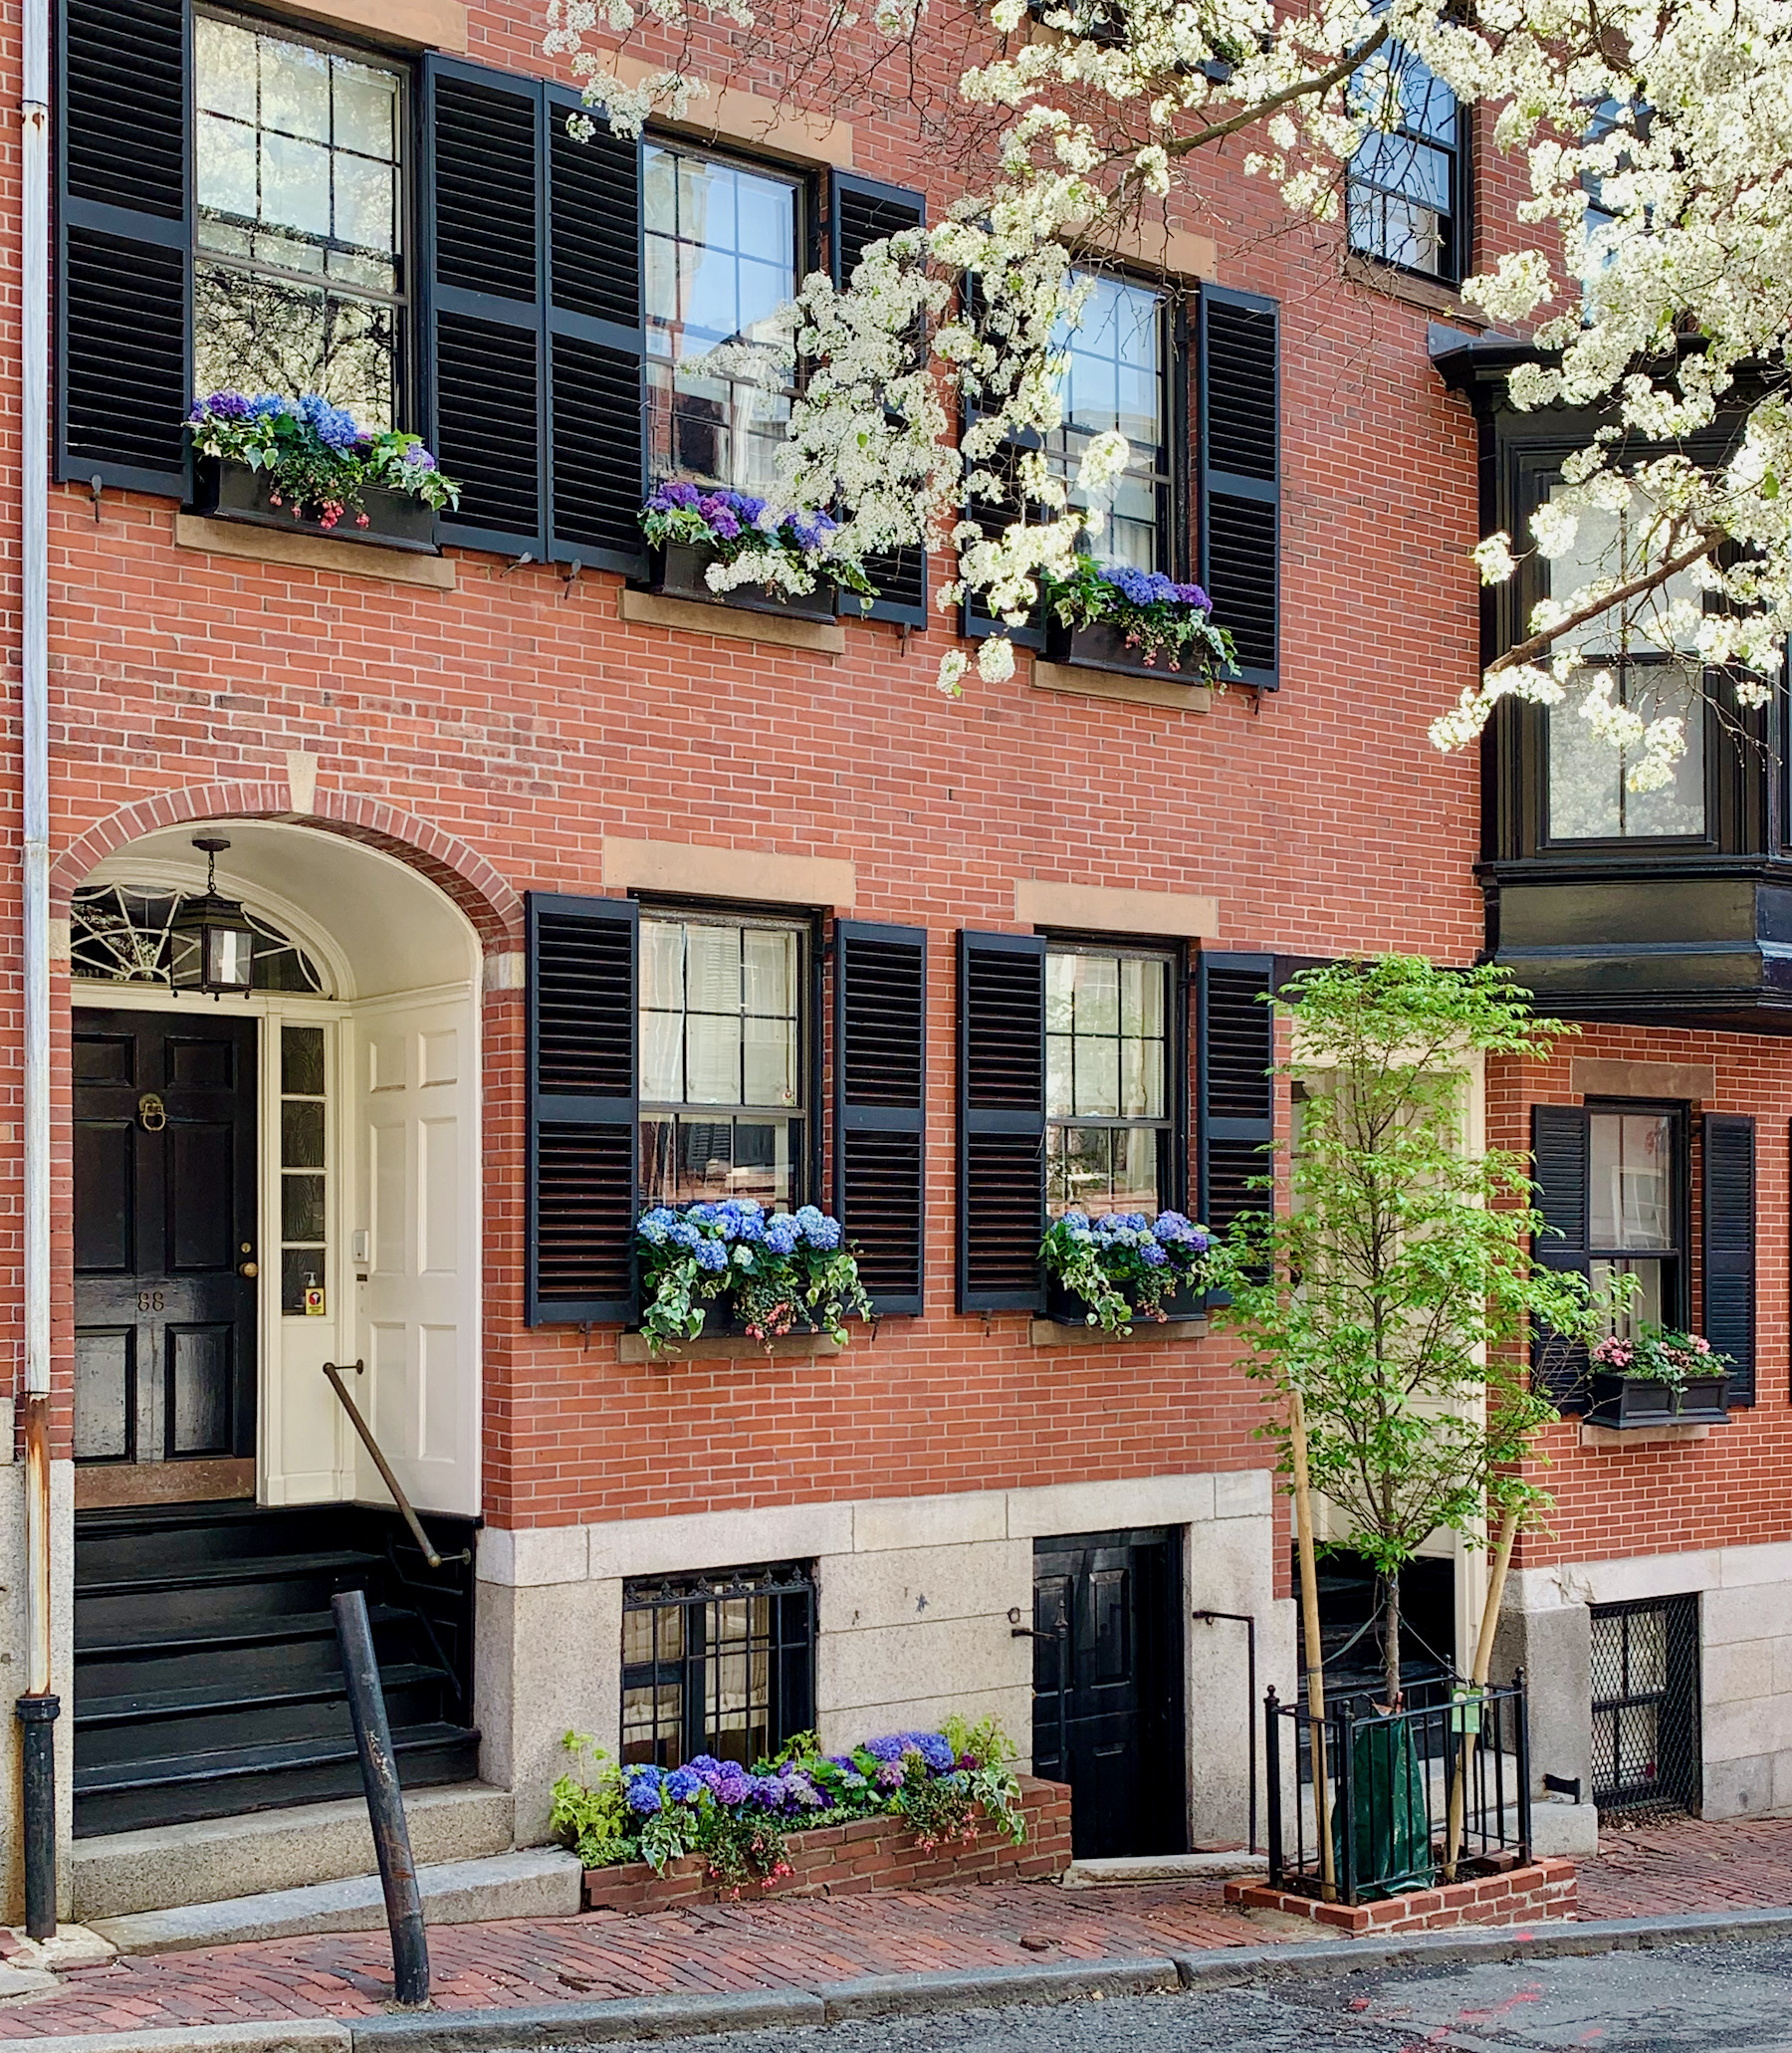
x=38 y=1708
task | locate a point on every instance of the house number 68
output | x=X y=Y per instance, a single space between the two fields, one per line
x=149 y=1300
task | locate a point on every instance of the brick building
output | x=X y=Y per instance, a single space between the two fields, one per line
x=568 y=895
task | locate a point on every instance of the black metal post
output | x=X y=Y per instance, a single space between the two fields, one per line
x=1521 y=1735
x=1345 y=1775
x=385 y=1801
x=1272 y=1789
x=38 y=1715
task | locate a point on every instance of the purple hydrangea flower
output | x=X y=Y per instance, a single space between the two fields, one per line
x=891 y=1746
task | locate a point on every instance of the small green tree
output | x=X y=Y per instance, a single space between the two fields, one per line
x=1395 y=1287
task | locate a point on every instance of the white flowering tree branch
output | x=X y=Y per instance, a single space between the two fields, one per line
x=1656 y=287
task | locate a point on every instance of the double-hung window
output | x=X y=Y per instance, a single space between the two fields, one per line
x=298 y=248
x=1115 y=379
x=1634 y=1211
x=720 y=247
x=1108 y=1114
x=1655 y=673
x=723 y=1060
x=1407 y=199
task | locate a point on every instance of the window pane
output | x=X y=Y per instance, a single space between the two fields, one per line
x=302 y=1207
x=662 y=1049
x=1631 y=1179
x=770 y=1062
x=225 y=161
x=659 y=1161
x=1646 y=1635
x=768 y=961
x=1612 y=546
x=295 y=183
x=302 y=1061
x=224 y=67
x=365 y=203
x=1097 y=995
x=1142 y=1079
x=295 y=88
x=1136 y=1170
x=662 y=964
x=1587 y=795
x=1088 y=1165
x=763 y=1161
x=367 y=109
x=713 y=969
x=1649 y=1306
x=712 y=1059
x=301 y=1134
x=1059 y=1094
x=1097 y=1077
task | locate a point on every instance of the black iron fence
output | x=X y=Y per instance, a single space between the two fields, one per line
x=1365 y=1804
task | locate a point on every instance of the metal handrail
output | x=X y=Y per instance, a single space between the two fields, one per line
x=333 y=1371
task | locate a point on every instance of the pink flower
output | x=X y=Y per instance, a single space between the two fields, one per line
x=364 y=520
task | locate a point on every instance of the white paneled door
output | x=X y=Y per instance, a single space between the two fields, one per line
x=419 y=1199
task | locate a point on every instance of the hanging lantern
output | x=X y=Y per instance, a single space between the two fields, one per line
x=213 y=943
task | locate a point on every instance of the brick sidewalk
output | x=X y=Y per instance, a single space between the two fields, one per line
x=708 y=1948
x=1659 y=1868
x=1684 y=1863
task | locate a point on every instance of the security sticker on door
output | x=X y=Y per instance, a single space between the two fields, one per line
x=314 y=1302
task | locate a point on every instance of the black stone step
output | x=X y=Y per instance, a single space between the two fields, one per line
x=203 y=1575
x=149 y=1706
x=315 y=1718
x=143 y=1540
x=265 y=1661
x=147 y=1641
x=172 y=1790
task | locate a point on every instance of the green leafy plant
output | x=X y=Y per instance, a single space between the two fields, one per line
x=319 y=460
x=1122 y=1264
x=589 y=1809
x=1660 y=1354
x=1164 y=622
x=741 y=1845
x=778 y=1270
x=1395 y=1287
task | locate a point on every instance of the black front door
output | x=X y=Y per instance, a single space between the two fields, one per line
x=164 y=1256
x=1107 y=1687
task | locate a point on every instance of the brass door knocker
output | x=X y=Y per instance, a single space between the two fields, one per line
x=151 y=1112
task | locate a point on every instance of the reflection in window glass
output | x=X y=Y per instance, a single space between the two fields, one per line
x=1401 y=198
x=720 y=253
x=1632 y=1212
x=720 y=1038
x=1107 y=1106
x=296 y=281
x=1114 y=380
x=1589 y=794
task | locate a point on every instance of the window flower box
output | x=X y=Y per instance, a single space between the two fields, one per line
x=1118 y=1270
x=1104 y=646
x=1658 y=1378
x=681 y=569
x=1626 y=1403
x=233 y=492
x=1186 y=1301
x=773 y=1272
x=302 y=463
x=1141 y=623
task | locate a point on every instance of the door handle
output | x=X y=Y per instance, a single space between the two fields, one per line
x=249 y=1268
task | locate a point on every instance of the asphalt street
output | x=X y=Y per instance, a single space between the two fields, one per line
x=1673 y=2000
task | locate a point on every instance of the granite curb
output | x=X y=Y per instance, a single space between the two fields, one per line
x=884 y=1996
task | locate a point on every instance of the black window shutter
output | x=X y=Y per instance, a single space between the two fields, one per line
x=594 y=343
x=880 y=1105
x=1001 y=1121
x=865 y=212
x=582 y=1098
x=1560 y=1169
x=1730 y=1247
x=122 y=271
x=1234 y=1086
x=1239 y=471
x=483 y=327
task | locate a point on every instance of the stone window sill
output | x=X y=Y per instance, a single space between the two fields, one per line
x=1616 y=1440
x=727 y=623
x=718 y=1347
x=313 y=553
x=1147 y=1333
x=1117 y=684
x=1429 y=295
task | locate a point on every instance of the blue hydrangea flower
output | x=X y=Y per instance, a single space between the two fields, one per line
x=643 y=1791
x=890 y=1746
x=934 y=1748
x=710 y=1255
x=683 y=1786
x=780 y=1233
